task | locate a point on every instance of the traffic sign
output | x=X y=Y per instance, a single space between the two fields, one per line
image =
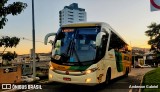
x=155 y=5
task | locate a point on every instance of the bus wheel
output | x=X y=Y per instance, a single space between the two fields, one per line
x=108 y=77
x=127 y=71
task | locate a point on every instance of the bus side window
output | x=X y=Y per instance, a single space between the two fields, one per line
x=116 y=42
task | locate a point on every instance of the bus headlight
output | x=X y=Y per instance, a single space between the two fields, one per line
x=51 y=68
x=90 y=70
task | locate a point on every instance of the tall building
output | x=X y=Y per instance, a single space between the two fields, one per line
x=72 y=14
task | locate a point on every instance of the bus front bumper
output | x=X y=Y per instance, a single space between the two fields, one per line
x=86 y=79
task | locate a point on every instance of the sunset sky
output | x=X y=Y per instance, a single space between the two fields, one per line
x=129 y=18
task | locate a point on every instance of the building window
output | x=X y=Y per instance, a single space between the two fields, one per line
x=70 y=15
x=81 y=13
x=70 y=12
x=70 y=21
x=70 y=18
x=81 y=16
x=81 y=19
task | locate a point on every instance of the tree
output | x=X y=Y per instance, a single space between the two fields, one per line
x=15 y=8
x=9 y=56
x=154 y=34
x=9 y=42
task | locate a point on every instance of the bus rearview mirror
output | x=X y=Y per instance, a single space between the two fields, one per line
x=47 y=36
x=99 y=38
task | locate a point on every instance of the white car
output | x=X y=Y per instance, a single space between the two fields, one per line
x=31 y=76
x=146 y=65
x=26 y=79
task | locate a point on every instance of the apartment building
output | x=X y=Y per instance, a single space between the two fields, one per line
x=72 y=14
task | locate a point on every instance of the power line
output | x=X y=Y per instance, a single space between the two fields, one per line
x=24 y=38
x=30 y=40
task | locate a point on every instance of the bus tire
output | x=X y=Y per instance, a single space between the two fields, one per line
x=127 y=71
x=108 y=77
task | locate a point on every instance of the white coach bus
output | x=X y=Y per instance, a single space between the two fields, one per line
x=88 y=53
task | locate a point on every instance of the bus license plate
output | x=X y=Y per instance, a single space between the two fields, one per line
x=66 y=79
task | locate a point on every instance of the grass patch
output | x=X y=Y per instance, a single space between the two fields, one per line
x=152 y=78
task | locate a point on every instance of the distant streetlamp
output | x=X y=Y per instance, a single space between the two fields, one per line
x=33 y=34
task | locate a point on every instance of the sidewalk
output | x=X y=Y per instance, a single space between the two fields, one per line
x=139 y=74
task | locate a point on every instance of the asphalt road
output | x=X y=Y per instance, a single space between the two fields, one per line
x=120 y=84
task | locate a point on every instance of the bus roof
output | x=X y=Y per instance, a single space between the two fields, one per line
x=92 y=24
x=83 y=24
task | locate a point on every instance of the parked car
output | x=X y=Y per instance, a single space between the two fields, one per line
x=146 y=65
x=31 y=76
x=142 y=66
x=138 y=66
x=26 y=79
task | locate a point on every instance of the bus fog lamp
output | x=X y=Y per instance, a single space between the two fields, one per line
x=88 y=80
x=50 y=76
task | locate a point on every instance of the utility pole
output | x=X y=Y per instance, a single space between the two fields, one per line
x=33 y=34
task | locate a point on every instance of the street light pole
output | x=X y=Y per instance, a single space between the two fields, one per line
x=33 y=34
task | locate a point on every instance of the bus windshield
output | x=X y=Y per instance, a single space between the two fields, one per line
x=75 y=45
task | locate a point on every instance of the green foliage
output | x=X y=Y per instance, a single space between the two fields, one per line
x=152 y=78
x=15 y=8
x=10 y=42
x=9 y=56
x=153 y=33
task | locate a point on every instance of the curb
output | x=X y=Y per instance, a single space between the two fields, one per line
x=139 y=90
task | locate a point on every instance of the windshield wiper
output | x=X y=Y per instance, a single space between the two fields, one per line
x=68 y=47
x=71 y=49
x=76 y=54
